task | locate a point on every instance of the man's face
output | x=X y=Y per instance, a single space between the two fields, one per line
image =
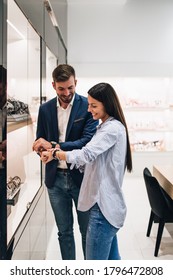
x=65 y=90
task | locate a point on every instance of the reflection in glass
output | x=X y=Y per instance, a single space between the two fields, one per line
x=3 y=78
x=51 y=63
x=23 y=62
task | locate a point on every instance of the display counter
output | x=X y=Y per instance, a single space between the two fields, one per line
x=164 y=175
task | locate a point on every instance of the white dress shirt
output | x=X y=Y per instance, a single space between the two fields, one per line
x=63 y=118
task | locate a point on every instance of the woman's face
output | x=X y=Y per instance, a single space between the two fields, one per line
x=97 y=109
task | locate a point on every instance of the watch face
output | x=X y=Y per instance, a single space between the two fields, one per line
x=53 y=144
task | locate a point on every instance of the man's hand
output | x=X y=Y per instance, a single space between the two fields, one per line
x=46 y=156
x=41 y=145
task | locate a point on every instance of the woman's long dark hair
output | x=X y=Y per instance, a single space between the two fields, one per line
x=106 y=94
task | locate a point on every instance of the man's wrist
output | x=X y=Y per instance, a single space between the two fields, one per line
x=54 y=153
x=53 y=143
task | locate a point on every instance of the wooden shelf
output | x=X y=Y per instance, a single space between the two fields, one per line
x=11 y=126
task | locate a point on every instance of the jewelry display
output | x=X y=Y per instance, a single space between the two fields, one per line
x=17 y=110
x=13 y=189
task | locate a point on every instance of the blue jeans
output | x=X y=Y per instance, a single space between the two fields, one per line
x=62 y=195
x=101 y=240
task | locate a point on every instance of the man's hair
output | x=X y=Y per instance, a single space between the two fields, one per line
x=63 y=72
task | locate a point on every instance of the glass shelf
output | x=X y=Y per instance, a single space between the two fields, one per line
x=23 y=48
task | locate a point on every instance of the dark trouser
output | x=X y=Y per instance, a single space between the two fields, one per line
x=61 y=196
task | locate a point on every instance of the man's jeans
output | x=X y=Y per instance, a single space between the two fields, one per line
x=101 y=240
x=61 y=196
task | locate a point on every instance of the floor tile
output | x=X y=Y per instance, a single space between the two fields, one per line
x=133 y=242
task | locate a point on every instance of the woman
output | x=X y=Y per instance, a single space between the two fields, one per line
x=105 y=159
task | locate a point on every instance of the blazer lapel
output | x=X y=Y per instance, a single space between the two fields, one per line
x=73 y=114
x=54 y=119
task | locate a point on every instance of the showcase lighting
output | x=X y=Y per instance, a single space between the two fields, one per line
x=15 y=28
x=51 y=12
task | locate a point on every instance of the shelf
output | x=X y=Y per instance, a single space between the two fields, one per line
x=13 y=199
x=150 y=127
x=141 y=108
x=136 y=130
x=19 y=210
x=11 y=126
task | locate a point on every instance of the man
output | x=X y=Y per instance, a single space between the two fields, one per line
x=64 y=122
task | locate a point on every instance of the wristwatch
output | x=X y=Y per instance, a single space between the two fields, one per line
x=54 y=153
x=53 y=143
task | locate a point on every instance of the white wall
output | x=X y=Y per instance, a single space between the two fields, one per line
x=128 y=43
x=109 y=38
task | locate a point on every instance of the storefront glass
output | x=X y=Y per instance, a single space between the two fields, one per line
x=23 y=100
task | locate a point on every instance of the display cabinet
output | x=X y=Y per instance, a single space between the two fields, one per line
x=3 y=69
x=150 y=128
x=29 y=52
x=23 y=166
x=148 y=108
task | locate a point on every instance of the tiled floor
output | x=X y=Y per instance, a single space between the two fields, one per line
x=133 y=243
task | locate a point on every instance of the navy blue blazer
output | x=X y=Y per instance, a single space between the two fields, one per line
x=80 y=130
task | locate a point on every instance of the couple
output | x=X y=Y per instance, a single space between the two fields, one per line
x=85 y=164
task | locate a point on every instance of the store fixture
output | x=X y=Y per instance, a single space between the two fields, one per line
x=150 y=124
x=32 y=54
x=148 y=107
x=23 y=166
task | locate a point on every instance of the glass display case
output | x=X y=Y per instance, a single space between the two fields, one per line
x=3 y=70
x=148 y=106
x=29 y=53
x=23 y=166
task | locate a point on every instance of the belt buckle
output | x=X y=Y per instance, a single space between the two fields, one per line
x=64 y=170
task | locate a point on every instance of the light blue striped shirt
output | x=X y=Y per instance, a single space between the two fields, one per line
x=104 y=160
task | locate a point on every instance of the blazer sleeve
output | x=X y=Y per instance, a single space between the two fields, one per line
x=81 y=126
x=87 y=132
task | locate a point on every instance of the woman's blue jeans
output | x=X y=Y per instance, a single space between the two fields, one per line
x=62 y=195
x=101 y=240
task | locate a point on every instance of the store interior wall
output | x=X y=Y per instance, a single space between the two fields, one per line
x=122 y=38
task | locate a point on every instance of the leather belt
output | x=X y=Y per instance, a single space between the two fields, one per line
x=64 y=170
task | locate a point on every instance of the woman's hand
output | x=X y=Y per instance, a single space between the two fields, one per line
x=46 y=156
x=40 y=145
x=51 y=154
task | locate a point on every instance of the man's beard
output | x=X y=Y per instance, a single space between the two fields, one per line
x=66 y=99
